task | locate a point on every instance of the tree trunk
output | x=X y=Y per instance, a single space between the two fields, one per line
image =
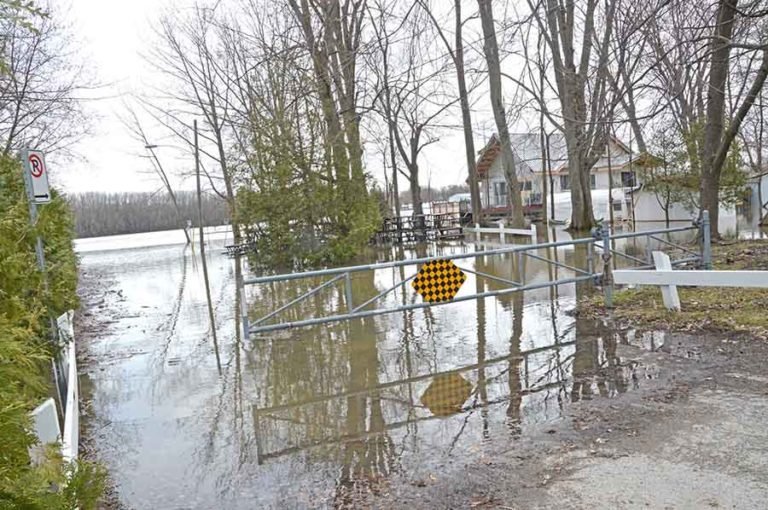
x=551 y=182
x=581 y=196
x=571 y=80
x=544 y=178
x=713 y=133
x=542 y=142
x=320 y=64
x=610 y=188
x=497 y=105
x=395 y=186
x=761 y=130
x=418 y=207
x=466 y=117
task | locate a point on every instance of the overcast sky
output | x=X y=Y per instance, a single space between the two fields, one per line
x=114 y=35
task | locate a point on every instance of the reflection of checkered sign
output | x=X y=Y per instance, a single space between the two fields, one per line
x=446 y=394
x=438 y=280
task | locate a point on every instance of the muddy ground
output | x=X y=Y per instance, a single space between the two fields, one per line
x=693 y=435
x=94 y=318
x=695 y=438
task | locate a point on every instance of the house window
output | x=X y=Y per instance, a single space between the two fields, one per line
x=527 y=185
x=628 y=179
x=592 y=181
x=565 y=182
x=500 y=193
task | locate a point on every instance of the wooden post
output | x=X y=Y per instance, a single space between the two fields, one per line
x=502 y=237
x=668 y=292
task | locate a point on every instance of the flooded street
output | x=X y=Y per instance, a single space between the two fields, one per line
x=339 y=415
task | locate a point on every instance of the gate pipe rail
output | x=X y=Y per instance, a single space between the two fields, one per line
x=601 y=238
x=410 y=262
x=414 y=306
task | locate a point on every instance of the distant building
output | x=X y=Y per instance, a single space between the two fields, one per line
x=526 y=148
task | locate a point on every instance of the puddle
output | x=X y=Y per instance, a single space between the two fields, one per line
x=307 y=417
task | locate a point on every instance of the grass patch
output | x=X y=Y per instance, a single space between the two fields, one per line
x=703 y=308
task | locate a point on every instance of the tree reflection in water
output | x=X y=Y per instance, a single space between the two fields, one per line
x=337 y=393
x=597 y=368
x=368 y=457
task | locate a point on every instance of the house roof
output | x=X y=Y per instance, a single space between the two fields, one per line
x=487 y=156
x=527 y=150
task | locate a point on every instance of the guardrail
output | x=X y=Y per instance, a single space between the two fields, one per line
x=45 y=417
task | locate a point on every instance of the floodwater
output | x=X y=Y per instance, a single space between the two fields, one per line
x=322 y=417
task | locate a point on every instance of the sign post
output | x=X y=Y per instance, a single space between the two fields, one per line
x=38 y=192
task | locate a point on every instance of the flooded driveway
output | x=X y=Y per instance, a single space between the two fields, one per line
x=349 y=414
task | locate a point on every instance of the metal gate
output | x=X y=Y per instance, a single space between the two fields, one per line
x=601 y=242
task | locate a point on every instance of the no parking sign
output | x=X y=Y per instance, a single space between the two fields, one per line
x=37 y=172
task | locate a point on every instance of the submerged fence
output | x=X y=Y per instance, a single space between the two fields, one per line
x=601 y=242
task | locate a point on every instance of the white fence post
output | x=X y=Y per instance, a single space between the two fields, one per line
x=502 y=237
x=668 y=292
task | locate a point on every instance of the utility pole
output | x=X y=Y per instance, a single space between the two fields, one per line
x=202 y=251
x=164 y=177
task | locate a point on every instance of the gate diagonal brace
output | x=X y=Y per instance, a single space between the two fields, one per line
x=384 y=293
x=556 y=263
x=491 y=277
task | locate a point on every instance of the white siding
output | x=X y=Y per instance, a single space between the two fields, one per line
x=496 y=181
x=647 y=208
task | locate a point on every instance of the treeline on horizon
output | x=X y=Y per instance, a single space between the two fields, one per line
x=103 y=214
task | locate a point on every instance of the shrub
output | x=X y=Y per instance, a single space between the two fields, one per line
x=25 y=351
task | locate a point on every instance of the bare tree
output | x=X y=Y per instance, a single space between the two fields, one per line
x=419 y=101
x=491 y=51
x=581 y=82
x=104 y=214
x=718 y=138
x=332 y=35
x=410 y=87
x=190 y=60
x=694 y=79
x=383 y=39
x=40 y=83
x=133 y=124
x=456 y=53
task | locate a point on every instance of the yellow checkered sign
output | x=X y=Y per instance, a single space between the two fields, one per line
x=438 y=280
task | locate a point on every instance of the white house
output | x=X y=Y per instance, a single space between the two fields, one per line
x=530 y=168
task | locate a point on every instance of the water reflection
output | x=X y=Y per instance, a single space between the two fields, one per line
x=381 y=395
x=329 y=415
